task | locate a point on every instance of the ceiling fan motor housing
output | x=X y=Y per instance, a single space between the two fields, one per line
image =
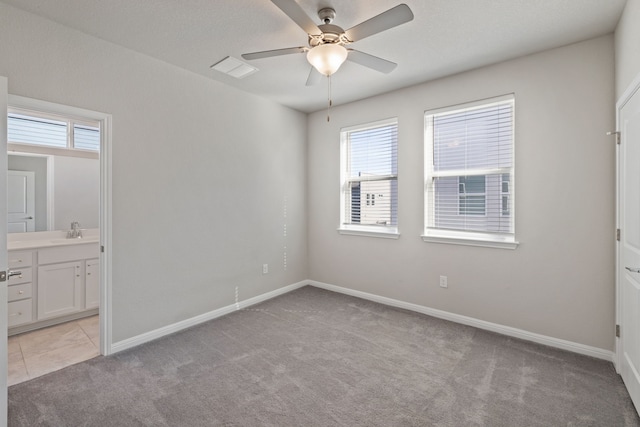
x=330 y=34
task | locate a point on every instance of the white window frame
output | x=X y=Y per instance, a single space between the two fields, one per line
x=382 y=231
x=464 y=237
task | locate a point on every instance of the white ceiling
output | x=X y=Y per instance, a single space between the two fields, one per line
x=445 y=37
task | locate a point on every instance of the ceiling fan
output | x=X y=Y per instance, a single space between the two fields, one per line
x=327 y=42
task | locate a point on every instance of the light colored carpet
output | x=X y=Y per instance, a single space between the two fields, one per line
x=317 y=358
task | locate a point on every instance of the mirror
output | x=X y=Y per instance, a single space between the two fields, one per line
x=51 y=191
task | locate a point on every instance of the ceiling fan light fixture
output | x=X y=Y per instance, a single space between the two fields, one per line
x=327 y=58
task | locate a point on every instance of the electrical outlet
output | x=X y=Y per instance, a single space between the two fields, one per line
x=443 y=282
x=265 y=268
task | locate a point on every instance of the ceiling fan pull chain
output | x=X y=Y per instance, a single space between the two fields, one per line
x=329 y=97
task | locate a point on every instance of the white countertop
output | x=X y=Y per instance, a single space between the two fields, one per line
x=46 y=239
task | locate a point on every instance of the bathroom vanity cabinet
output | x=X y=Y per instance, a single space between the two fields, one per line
x=92 y=283
x=20 y=288
x=58 y=282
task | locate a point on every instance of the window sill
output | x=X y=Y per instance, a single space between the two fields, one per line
x=484 y=240
x=384 y=233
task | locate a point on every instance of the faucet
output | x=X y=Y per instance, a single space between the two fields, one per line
x=75 y=232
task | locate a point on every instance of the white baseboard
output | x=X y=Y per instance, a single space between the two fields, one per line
x=175 y=327
x=481 y=324
x=457 y=318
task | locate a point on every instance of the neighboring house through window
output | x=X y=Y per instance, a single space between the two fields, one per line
x=506 y=200
x=369 y=195
x=469 y=170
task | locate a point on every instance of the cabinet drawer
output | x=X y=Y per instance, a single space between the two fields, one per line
x=17 y=292
x=68 y=253
x=19 y=259
x=24 y=276
x=20 y=312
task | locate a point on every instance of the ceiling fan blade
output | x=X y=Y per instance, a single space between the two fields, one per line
x=389 y=19
x=275 y=52
x=295 y=12
x=371 y=61
x=314 y=77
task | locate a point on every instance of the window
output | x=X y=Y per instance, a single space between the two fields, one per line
x=52 y=131
x=369 y=195
x=469 y=174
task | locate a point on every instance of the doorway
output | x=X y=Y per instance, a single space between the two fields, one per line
x=79 y=285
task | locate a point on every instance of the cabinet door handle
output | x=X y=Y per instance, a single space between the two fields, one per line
x=12 y=273
x=15 y=314
x=20 y=292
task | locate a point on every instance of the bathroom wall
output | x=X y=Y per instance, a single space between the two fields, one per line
x=76 y=192
x=76 y=189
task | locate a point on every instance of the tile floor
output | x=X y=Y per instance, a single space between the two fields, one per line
x=36 y=353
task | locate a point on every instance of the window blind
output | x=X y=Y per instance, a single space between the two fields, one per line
x=86 y=138
x=469 y=184
x=23 y=129
x=371 y=185
x=34 y=129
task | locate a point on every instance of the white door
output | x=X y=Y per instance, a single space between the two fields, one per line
x=628 y=287
x=3 y=250
x=21 y=204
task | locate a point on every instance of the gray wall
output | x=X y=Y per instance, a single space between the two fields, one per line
x=627 y=45
x=201 y=172
x=560 y=281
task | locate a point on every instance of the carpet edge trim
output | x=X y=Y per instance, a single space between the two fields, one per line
x=196 y=320
x=574 y=347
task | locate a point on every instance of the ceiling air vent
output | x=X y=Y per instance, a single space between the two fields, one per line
x=234 y=67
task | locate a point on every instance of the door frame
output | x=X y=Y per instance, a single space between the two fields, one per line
x=622 y=101
x=4 y=264
x=105 y=221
